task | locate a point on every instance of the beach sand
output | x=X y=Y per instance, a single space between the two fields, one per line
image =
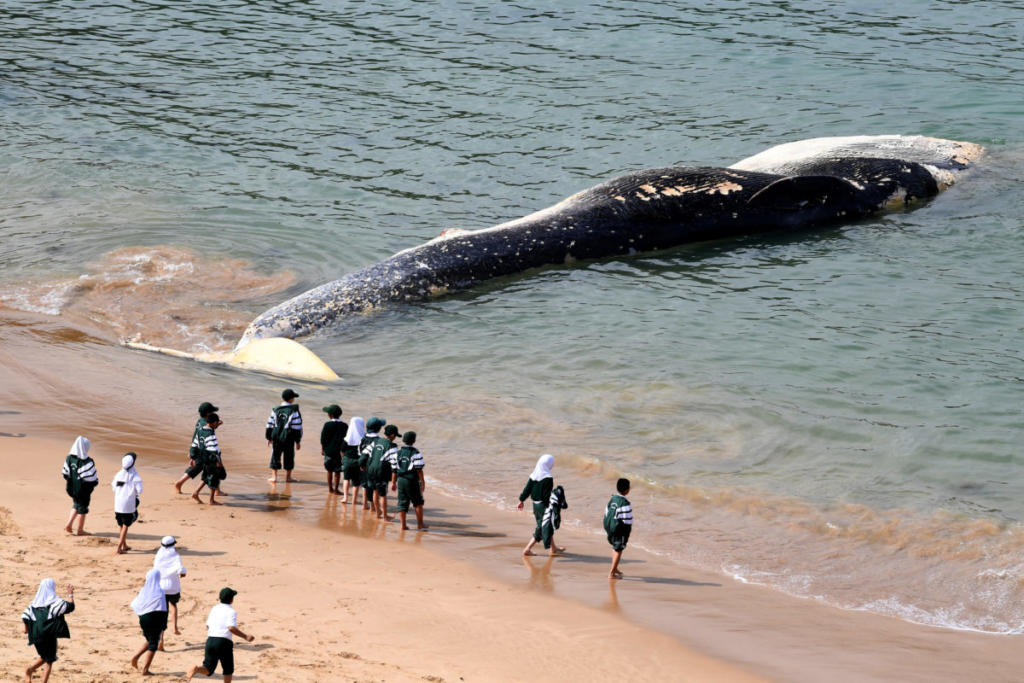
x=333 y=594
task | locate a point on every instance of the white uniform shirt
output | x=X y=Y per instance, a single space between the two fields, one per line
x=222 y=616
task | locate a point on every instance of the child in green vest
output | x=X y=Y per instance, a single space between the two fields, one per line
x=195 y=465
x=44 y=623
x=207 y=452
x=378 y=469
x=80 y=473
x=407 y=479
x=618 y=523
x=538 y=489
x=365 y=447
x=284 y=434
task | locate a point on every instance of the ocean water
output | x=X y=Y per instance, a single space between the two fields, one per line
x=834 y=414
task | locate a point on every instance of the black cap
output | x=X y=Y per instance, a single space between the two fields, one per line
x=409 y=438
x=288 y=394
x=391 y=430
x=206 y=407
x=212 y=418
x=375 y=423
x=227 y=594
x=334 y=410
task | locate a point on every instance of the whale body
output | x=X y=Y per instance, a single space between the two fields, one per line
x=807 y=184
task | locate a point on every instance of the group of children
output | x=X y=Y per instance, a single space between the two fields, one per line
x=549 y=501
x=363 y=454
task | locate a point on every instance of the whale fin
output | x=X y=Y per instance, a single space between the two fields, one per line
x=276 y=355
x=798 y=193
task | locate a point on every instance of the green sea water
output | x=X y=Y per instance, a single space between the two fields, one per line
x=834 y=414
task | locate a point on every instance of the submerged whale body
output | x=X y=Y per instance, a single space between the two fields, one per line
x=807 y=184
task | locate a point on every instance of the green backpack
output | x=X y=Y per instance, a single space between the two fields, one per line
x=282 y=417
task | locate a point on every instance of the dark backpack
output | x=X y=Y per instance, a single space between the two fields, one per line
x=282 y=417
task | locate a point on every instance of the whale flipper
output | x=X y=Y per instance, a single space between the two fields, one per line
x=275 y=355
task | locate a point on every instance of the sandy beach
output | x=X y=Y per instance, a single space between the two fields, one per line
x=333 y=594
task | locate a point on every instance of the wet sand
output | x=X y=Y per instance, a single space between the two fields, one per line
x=332 y=593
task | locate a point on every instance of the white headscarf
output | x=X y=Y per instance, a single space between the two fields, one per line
x=47 y=593
x=543 y=468
x=80 y=448
x=151 y=597
x=356 y=431
x=124 y=496
x=168 y=563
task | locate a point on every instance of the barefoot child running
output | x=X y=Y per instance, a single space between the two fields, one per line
x=618 y=523
x=538 y=489
x=150 y=606
x=220 y=647
x=195 y=464
x=80 y=473
x=44 y=623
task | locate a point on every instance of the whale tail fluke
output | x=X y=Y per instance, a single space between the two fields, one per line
x=274 y=355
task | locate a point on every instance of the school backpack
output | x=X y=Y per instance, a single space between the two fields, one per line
x=611 y=519
x=282 y=418
x=403 y=460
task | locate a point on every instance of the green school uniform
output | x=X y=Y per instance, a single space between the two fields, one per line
x=407 y=464
x=540 y=493
x=332 y=438
x=618 y=521
x=378 y=464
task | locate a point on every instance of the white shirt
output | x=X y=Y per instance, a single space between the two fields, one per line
x=222 y=616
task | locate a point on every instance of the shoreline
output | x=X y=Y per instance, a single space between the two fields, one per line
x=709 y=622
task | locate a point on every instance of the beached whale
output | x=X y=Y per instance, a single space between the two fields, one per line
x=799 y=185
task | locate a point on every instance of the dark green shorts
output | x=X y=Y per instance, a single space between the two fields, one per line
x=219 y=650
x=81 y=502
x=172 y=598
x=47 y=650
x=332 y=465
x=126 y=518
x=153 y=624
x=350 y=470
x=409 y=493
x=619 y=540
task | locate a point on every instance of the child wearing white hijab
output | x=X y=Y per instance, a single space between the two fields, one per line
x=168 y=563
x=151 y=608
x=538 y=488
x=44 y=623
x=350 y=459
x=127 y=485
x=79 y=472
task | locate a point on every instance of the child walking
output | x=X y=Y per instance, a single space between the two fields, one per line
x=284 y=435
x=195 y=463
x=127 y=485
x=44 y=623
x=332 y=439
x=538 y=489
x=350 y=460
x=168 y=563
x=618 y=523
x=80 y=473
x=150 y=606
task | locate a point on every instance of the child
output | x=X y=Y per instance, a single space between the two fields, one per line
x=284 y=434
x=208 y=452
x=552 y=518
x=168 y=562
x=127 y=485
x=150 y=606
x=378 y=469
x=44 y=623
x=332 y=438
x=365 y=447
x=220 y=646
x=350 y=459
x=538 y=489
x=618 y=522
x=195 y=465
x=407 y=479
x=80 y=473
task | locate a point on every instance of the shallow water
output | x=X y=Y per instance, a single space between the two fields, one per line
x=833 y=414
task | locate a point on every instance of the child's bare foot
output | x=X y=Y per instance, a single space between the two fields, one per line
x=28 y=675
x=192 y=672
x=119 y=552
x=135 y=662
x=176 y=631
x=222 y=493
x=147 y=672
x=422 y=528
x=82 y=532
x=558 y=548
x=615 y=575
x=272 y=480
x=161 y=647
x=528 y=553
x=388 y=519
x=405 y=528
x=68 y=528
x=177 y=488
x=214 y=502
x=195 y=497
